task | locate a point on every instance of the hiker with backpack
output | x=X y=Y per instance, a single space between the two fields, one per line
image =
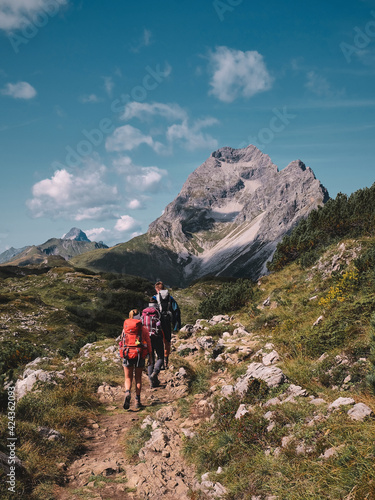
x=152 y=321
x=135 y=346
x=170 y=316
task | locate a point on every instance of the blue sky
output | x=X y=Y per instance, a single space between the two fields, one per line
x=108 y=106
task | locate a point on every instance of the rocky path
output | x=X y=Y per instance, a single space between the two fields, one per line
x=103 y=471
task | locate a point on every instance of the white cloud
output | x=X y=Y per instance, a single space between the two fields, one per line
x=143 y=110
x=15 y=14
x=126 y=223
x=97 y=233
x=80 y=196
x=89 y=98
x=186 y=133
x=108 y=85
x=237 y=74
x=148 y=179
x=126 y=138
x=144 y=179
x=19 y=90
x=123 y=165
x=320 y=86
x=144 y=41
x=192 y=137
x=135 y=204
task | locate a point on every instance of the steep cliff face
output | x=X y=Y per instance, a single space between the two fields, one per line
x=233 y=210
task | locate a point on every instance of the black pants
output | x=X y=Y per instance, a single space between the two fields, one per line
x=157 y=345
x=166 y=326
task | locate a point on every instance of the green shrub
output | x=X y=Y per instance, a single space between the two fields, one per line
x=371 y=376
x=230 y=297
x=343 y=217
x=70 y=348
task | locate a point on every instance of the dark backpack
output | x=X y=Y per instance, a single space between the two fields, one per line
x=164 y=302
x=131 y=344
x=151 y=320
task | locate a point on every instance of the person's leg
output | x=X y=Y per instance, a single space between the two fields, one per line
x=167 y=329
x=138 y=380
x=159 y=348
x=138 y=386
x=128 y=372
x=151 y=363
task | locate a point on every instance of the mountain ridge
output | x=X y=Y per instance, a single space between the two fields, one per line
x=226 y=221
x=73 y=243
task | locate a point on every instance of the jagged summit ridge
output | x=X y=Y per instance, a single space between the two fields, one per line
x=233 y=210
x=75 y=234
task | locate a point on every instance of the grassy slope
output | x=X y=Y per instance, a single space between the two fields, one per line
x=244 y=449
x=36 y=308
x=53 y=314
x=137 y=256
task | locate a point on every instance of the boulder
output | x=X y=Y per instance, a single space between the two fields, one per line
x=205 y=342
x=31 y=377
x=157 y=442
x=221 y=318
x=341 y=402
x=272 y=375
x=227 y=390
x=271 y=358
x=359 y=412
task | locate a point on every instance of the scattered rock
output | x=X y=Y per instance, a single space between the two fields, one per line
x=50 y=434
x=187 y=347
x=227 y=390
x=242 y=410
x=331 y=452
x=359 y=412
x=205 y=342
x=272 y=375
x=157 y=442
x=341 y=402
x=271 y=358
x=31 y=377
x=164 y=414
x=319 y=320
x=221 y=318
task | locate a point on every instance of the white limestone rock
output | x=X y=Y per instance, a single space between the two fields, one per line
x=359 y=412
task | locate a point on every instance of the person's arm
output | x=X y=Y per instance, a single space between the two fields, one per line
x=176 y=313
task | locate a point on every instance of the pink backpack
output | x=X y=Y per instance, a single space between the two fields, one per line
x=151 y=320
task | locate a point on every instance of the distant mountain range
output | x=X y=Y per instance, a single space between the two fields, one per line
x=73 y=243
x=226 y=221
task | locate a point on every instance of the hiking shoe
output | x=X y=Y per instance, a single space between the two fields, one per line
x=127 y=402
x=155 y=383
x=138 y=404
x=153 y=379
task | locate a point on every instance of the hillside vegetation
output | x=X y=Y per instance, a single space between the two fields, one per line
x=321 y=322
x=344 y=217
x=314 y=314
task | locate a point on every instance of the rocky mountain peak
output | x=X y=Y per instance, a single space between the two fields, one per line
x=75 y=234
x=232 y=206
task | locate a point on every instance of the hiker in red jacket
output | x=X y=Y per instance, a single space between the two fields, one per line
x=135 y=346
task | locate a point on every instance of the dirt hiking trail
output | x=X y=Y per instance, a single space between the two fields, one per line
x=104 y=472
